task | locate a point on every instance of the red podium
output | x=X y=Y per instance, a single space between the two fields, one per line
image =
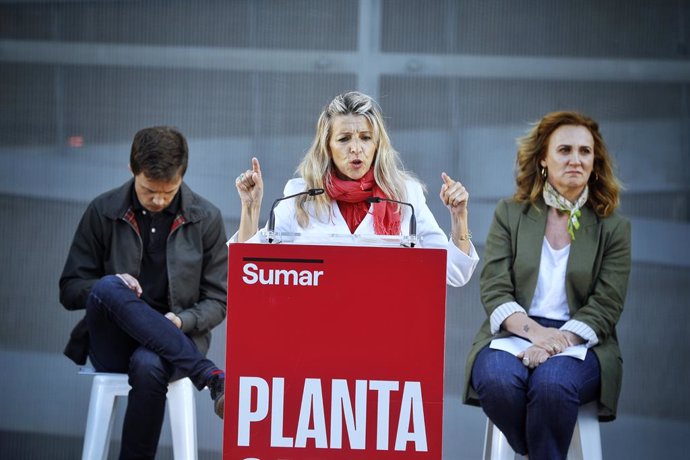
x=334 y=352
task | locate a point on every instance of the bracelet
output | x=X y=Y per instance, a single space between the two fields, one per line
x=466 y=237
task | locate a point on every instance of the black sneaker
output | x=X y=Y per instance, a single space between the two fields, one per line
x=216 y=385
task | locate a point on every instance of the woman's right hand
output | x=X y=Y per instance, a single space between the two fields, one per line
x=551 y=340
x=250 y=186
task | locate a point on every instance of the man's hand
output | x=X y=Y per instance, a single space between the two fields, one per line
x=131 y=282
x=175 y=319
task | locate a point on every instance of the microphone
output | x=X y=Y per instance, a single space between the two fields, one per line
x=272 y=215
x=413 y=220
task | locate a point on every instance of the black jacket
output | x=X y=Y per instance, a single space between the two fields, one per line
x=106 y=242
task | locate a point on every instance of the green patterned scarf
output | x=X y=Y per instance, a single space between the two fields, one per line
x=558 y=201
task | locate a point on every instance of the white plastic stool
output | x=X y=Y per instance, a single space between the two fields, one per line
x=585 y=445
x=106 y=387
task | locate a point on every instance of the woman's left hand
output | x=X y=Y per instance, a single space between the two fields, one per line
x=454 y=195
x=533 y=356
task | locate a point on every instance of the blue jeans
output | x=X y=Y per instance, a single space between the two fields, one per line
x=536 y=409
x=128 y=336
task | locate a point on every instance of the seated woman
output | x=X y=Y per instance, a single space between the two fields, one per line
x=556 y=274
x=352 y=159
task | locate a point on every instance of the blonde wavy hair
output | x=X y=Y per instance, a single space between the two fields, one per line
x=316 y=165
x=604 y=187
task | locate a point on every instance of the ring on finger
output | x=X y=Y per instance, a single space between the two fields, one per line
x=240 y=178
x=525 y=361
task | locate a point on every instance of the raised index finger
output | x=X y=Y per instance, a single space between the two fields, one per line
x=256 y=167
x=446 y=179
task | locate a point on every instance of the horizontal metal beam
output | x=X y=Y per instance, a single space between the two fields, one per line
x=355 y=62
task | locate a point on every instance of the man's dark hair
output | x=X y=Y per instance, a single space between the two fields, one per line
x=160 y=152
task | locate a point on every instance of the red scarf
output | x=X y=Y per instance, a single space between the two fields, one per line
x=351 y=196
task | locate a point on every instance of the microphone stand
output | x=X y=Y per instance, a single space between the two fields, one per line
x=413 y=219
x=272 y=215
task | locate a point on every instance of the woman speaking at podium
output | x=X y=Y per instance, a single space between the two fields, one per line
x=367 y=191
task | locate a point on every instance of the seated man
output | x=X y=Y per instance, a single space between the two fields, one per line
x=149 y=264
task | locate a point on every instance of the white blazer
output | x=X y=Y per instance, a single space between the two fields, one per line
x=459 y=267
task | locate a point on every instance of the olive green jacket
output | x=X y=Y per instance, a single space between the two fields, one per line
x=596 y=282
